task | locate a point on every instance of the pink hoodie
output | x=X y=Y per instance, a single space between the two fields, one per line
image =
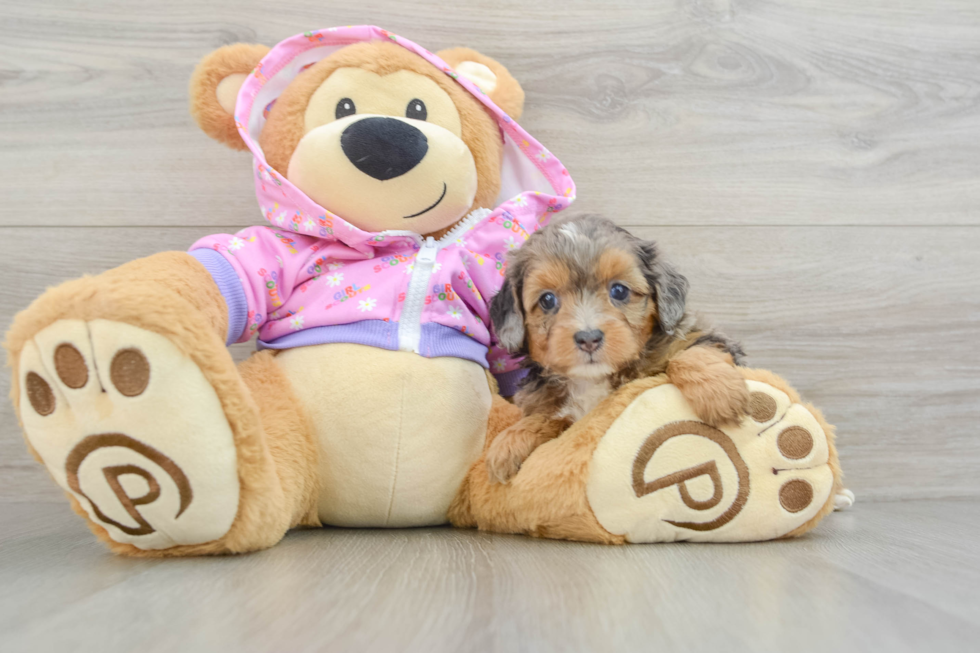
x=313 y=278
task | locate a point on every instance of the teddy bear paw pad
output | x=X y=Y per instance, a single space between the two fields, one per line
x=659 y=474
x=130 y=426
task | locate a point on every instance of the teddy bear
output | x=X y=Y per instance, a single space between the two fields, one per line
x=392 y=182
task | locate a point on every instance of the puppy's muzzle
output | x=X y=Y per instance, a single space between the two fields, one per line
x=383 y=148
x=589 y=341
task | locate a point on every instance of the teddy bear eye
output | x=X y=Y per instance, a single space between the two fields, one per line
x=345 y=108
x=416 y=110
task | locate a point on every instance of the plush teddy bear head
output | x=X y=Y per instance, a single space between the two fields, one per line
x=373 y=132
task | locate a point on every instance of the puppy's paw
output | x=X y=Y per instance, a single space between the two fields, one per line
x=711 y=384
x=507 y=453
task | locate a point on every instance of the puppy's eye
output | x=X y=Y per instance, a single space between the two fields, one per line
x=345 y=108
x=548 y=301
x=416 y=110
x=618 y=292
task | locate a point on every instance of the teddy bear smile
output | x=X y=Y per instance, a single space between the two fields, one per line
x=415 y=215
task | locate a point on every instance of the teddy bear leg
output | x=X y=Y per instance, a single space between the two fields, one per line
x=503 y=414
x=128 y=396
x=288 y=438
x=176 y=469
x=642 y=467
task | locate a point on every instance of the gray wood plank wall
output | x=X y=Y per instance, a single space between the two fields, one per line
x=813 y=166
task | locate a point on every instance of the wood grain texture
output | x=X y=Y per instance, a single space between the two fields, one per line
x=675 y=112
x=883 y=577
x=812 y=166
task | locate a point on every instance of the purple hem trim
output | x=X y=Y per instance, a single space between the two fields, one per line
x=509 y=382
x=374 y=333
x=230 y=286
x=439 y=340
x=436 y=340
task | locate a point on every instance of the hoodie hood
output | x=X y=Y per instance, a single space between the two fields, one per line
x=530 y=174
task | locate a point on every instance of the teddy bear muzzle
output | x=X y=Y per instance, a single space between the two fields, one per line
x=383 y=172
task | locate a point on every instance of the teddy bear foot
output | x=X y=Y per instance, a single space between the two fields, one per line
x=659 y=474
x=129 y=426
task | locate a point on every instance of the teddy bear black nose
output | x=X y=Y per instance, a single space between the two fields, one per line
x=383 y=148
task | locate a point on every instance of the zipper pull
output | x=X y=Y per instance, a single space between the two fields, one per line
x=427 y=253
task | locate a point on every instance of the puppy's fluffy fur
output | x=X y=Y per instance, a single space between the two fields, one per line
x=593 y=307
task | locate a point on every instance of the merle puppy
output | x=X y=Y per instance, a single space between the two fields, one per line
x=593 y=307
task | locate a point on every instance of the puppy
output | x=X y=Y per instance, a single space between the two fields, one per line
x=593 y=307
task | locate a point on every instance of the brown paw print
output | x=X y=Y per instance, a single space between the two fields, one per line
x=131 y=427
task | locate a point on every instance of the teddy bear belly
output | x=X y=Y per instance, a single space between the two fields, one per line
x=397 y=432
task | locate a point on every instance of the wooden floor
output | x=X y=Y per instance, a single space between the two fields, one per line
x=883 y=577
x=813 y=166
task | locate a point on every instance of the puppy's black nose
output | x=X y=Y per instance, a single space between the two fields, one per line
x=383 y=148
x=589 y=341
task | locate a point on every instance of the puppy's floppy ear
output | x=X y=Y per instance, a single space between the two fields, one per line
x=491 y=77
x=214 y=89
x=507 y=316
x=669 y=286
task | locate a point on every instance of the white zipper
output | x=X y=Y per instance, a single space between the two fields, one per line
x=410 y=321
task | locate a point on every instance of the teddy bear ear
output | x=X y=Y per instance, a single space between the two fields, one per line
x=214 y=88
x=491 y=77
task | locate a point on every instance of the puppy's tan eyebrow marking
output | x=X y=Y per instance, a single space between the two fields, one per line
x=617 y=265
x=549 y=274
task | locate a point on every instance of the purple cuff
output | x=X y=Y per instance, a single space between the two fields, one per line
x=509 y=382
x=231 y=289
